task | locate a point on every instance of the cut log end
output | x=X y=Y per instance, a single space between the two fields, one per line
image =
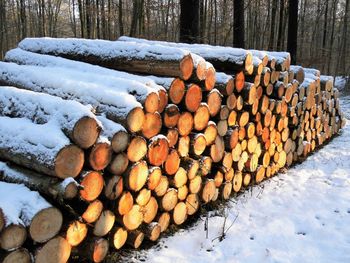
x=100 y=156
x=46 y=224
x=150 y=210
x=210 y=79
x=152 y=102
x=192 y=203
x=201 y=117
x=76 y=233
x=158 y=151
x=177 y=91
x=185 y=123
x=164 y=221
x=57 y=250
x=120 y=141
x=193 y=97
x=93 y=212
x=180 y=213
x=134 y=218
x=163 y=100
x=152 y=125
x=186 y=67
x=155 y=174
x=169 y=200
x=135 y=239
x=137 y=149
x=69 y=162
x=119 y=237
x=104 y=223
x=119 y=164
x=85 y=132
x=135 y=120
x=18 y=256
x=172 y=162
x=100 y=248
x=92 y=184
x=137 y=176
x=12 y=237
x=214 y=102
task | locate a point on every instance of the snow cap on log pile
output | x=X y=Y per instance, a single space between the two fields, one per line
x=133 y=57
x=118 y=106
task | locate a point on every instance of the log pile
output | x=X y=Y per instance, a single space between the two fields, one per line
x=114 y=158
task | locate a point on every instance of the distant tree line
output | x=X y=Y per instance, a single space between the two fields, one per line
x=322 y=28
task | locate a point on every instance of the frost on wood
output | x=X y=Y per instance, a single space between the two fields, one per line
x=43 y=108
x=55 y=81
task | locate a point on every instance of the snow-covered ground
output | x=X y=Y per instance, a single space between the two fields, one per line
x=300 y=216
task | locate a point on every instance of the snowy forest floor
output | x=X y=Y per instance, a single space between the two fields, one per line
x=302 y=215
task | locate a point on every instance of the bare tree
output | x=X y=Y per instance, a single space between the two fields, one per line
x=189 y=21
x=238 y=23
x=293 y=29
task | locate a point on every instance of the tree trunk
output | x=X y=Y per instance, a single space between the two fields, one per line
x=238 y=24
x=293 y=30
x=273 y=22
x=189 y=21
x=280 y=37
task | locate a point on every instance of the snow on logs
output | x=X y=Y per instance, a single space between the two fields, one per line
x=75 y=120
x=146 y=59
x=118 y=106
x=217 y=135
x=40 y=147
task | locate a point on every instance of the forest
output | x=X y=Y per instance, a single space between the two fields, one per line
x=322 y=38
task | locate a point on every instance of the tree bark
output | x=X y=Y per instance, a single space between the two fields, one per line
x=189 y=21
x=293 y=30
x=238 y=24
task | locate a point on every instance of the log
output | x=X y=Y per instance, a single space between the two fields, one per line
x=136 y=176
x=152 y=125
x=92 y=183
x=119 y=236
x=175 y=87
x=239 y=81
x=299 y=73
x=76 y=232
x=210 y=132
x=226 y=190
x=143 y=197
x=226 y=59
x=171 y=116
x=116 y=55
x=20 y=255
x=205 y=165
x=164 y=221
x=137 y=149
x=162 y=186
x=56 y=250
x=190 y=166
x=135 y=238
x=100 y=155
x=24 y=208
x=195 y=185
x=149 y=211
x=201 y=117
x=51 y=154
x=115 y=133
x=224 y=83
x=124 y=203
x=92 y=212
x=75 y=120
x=197 y=144
x=154 y=176
x=169 y=200
x=172 y=162
x=173 y=137
x=179 y=214
x=104 y=223
x=151 y=231
x=192 y=203
x=119 y=164
x=208 y=191
x=94 y=249
x=182 y=193
x=146 y=90
x=214 y=100
x=158 y=149
x=126 y=111
x=133 y=219
x=55 y=188
x=183 y=146
x=180 y=178
x=185 y=123
x=237 y=182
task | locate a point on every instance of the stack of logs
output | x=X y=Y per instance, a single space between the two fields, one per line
x=118 y=157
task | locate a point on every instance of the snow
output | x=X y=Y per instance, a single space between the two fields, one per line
x=163 y=81
x=110 y=128
x=300 y=216
x=222 y=78
x=19 y=204
x=312 y=71
x=45 y=140
x=102 y=48
x=137 y=84
x=235 y=55
x=277 y=54
x=56 y=81
x=259 y=53
x=340 y=82
x=42 y=108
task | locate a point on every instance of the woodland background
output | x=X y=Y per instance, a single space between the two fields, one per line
x=323 y=25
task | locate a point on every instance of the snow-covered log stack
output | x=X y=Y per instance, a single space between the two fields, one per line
x=123 y=156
